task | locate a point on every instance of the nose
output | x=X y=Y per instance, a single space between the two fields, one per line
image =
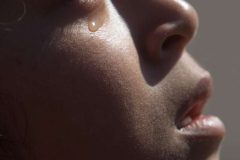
x=167 y=38
x=161 y=28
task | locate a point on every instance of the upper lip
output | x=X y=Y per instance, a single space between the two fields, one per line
x=193 y=107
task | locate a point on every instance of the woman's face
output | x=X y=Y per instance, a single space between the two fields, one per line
x=102 y=79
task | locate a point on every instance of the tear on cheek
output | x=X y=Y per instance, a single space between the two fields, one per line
x=97 y=18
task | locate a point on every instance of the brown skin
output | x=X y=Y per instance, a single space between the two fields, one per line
x=71 y=94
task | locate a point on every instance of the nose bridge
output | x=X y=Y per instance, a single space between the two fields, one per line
x=167 y=17
x=148 y=14
x=186 y=19
x=171 y=11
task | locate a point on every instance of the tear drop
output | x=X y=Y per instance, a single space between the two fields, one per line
x=97 y=18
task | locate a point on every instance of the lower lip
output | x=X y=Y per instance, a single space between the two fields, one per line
x=205 y=127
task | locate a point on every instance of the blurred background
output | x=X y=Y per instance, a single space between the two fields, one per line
x=216 y=47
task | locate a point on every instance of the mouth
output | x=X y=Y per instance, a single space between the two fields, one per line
x=192 y=123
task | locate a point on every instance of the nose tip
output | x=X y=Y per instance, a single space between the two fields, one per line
x=168 y=39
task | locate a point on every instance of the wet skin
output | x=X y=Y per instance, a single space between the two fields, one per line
x=101 y=79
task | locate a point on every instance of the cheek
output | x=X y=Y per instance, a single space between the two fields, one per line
x=89 y=87
x=106 y=81
x=109 y=84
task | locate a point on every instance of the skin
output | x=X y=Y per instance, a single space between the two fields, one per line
x=69 y=93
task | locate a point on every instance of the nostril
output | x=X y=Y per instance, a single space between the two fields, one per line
x=174 y=42
x=169 y=40
x=160 y=46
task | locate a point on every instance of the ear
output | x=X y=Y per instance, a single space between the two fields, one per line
x=11 y=12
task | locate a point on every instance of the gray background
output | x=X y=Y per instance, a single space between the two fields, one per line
x=216 y=47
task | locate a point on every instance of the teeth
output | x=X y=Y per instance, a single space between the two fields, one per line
x=186 y=121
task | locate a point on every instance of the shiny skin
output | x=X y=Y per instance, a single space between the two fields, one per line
x=110 y=94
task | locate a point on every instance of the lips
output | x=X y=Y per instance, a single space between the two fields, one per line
x=192 y=123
